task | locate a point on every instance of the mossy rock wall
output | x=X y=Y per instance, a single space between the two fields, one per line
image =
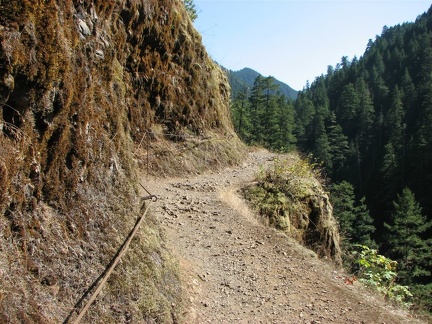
x=81 y=84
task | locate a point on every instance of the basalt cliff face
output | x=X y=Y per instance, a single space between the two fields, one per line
x=87 y=90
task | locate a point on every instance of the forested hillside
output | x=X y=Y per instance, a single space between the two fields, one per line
x=369 y=122
x=264 y=116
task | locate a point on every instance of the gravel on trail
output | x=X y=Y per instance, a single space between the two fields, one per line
x=236 y=270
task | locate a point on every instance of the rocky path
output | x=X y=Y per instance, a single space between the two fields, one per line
x=236 y=270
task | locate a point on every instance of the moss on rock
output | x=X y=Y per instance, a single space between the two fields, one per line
x=81 y=84
x=290 y=197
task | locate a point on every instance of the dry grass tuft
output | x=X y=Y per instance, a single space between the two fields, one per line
x=188 y=154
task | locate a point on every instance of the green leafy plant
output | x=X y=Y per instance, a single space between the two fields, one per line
x=191 y=9
x=380 y=272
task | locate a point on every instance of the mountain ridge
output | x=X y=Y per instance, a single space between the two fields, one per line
x=245 y=78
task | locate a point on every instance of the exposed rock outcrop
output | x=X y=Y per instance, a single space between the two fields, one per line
x=290 y=197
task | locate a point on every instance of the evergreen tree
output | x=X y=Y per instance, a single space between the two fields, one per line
x=285 y=121
x=365 y=115
x=406 y=238
x=256 y=104
x=355 y=222
x=394 y=121
x=343 y=200
x=379 y=86
x=191 y=9
x=390 y=175
x=305 y=112
x=240 y=114
x=363 y=225
x=269 y=120
x=409 y=94
x=339 y=147
x=347 y=109
x=322 y=149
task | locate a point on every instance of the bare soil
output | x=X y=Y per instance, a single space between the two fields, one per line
x=236 y=270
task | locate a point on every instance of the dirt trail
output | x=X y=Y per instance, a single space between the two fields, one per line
x=236 y=270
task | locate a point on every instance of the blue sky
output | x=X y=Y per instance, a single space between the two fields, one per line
x=295 y=41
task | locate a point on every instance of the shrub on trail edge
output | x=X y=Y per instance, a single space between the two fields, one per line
x=379 y=272
x=290 y=197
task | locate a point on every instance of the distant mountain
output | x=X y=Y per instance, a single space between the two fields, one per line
x=246 y=77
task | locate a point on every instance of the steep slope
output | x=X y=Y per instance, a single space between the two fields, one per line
x=246 y=77
x=88 y=91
